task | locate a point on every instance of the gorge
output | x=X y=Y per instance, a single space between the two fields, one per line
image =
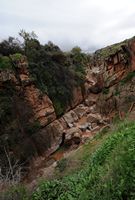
x=34 y=124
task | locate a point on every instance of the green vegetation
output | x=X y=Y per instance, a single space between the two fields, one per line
x=128 y=78
x=108 y=174
x=112 y=49
x=105 y=90
x=117 y=92
x=5 y=62
x=16 y=57
x=33 y=127
x=55 y=72
x=15 y=193
x=62 y=164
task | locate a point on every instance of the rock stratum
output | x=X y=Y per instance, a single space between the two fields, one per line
x=35 y=128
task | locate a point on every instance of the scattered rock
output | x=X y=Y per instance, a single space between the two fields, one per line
x=70 y=117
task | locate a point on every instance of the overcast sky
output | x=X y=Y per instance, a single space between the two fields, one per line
x=90 y=24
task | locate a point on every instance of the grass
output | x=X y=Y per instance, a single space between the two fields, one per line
x=108 y=172
x=102 y=169
x=78 y=159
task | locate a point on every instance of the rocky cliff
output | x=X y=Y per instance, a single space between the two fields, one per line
x=29 y=124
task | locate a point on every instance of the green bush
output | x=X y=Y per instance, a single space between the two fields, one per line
x=56 y=74
x=16 y=57
x=32 y=128
x=61 y=164
x=5 y=62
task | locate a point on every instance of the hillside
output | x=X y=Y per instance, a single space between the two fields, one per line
x=51 y=104
x=104 y=170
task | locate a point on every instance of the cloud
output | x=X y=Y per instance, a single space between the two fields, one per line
x=90 y=24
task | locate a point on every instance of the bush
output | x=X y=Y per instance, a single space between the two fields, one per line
x=5 y=62
x=16 y=57
x=61 y=164
x=15 y=193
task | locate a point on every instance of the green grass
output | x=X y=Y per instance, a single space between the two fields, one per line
x=109 y=172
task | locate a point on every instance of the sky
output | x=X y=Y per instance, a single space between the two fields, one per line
x=90 y=24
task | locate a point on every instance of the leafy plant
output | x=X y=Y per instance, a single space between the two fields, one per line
x=5 y=62
x=61 y=164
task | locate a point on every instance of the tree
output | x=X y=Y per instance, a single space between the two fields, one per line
x=27 y=36
x=10 y=46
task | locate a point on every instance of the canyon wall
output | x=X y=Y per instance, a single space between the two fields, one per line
x=36 y=130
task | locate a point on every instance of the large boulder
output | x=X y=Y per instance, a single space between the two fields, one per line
x=49 y=138
x=70 y=117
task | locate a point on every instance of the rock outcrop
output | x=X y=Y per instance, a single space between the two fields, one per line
x=108 y=89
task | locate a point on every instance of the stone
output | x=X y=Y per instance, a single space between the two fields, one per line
x=70 y=117
x=94 y=118
x=72 y=132
x=91 y=99
x=115 y=59
x=41 y=105
x=94 y=125
x=49 y=138
x=85 y=126
x=7 y=75
x=63 y=122
x=81 y=110
x=77 y=96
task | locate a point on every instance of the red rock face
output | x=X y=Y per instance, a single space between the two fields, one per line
x=41 y=104
x=77 y=97
x=132 y=47
x=103 y=93
x=117 y=76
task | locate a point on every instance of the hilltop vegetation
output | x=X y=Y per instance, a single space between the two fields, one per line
x=54 y=72
x=113 y=49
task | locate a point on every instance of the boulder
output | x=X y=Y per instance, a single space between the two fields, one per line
x=85 y=126
x=81 y=110
x=77 y=96
x=49 y=138
x=72 y=132
x=70 y=117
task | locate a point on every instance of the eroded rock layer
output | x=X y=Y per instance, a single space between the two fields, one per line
x=35 y=128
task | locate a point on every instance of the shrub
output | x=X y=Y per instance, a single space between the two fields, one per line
x=15 y=193
x=5 y=62
x=16 y=57
x=61 y=164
